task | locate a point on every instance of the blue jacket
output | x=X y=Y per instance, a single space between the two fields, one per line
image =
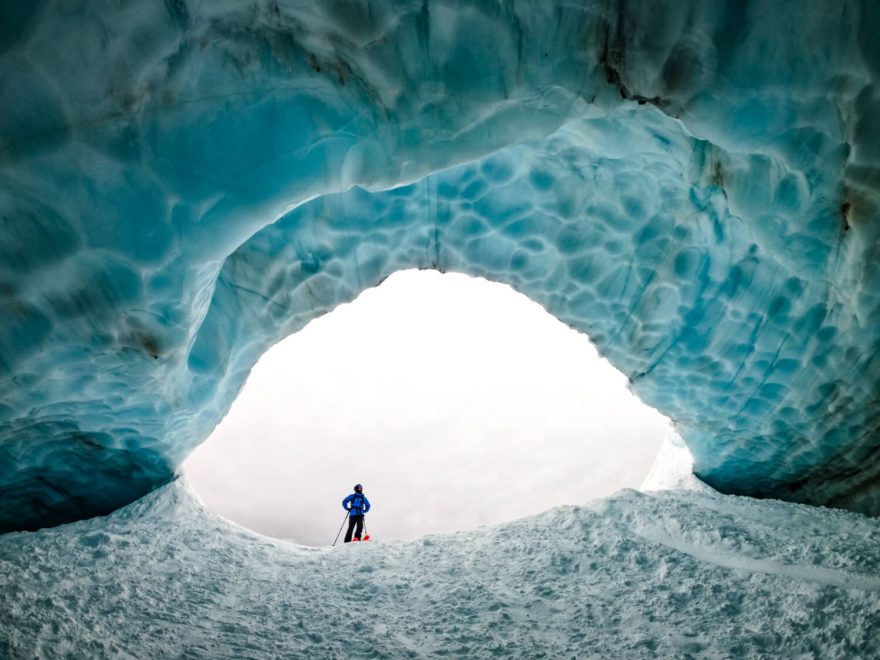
x=356 y=504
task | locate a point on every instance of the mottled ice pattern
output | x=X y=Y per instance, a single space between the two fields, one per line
x=667 y=575
x=694 y=185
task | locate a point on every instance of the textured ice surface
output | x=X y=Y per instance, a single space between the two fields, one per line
x=692 y=184
x=670 y=575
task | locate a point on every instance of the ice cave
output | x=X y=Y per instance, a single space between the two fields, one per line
x=694 y=185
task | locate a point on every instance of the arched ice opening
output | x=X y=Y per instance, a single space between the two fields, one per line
x=457 y=401
x=692 y=186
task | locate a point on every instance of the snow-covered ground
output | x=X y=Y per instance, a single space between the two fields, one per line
x=680 y=573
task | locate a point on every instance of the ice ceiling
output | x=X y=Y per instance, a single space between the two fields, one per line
x=694 y=185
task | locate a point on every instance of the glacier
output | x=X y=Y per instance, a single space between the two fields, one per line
x=694 y=185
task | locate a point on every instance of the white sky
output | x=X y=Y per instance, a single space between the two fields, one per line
x=457 y=402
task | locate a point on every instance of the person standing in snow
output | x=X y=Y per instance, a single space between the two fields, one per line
x=357 y=505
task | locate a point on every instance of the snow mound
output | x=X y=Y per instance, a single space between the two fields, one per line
x=673 y=468
x=668 y=574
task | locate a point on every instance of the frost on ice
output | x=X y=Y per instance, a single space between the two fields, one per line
x=694 y=186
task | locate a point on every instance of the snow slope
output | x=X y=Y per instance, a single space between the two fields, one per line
x=668 y=574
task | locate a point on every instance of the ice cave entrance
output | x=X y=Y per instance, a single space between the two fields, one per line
x=458 y=402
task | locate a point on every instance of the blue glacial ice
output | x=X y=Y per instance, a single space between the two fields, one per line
x=693 y=185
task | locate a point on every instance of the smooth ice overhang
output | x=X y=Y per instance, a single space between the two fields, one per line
x=183 y=185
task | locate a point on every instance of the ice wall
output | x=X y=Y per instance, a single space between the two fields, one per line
x=694 y=185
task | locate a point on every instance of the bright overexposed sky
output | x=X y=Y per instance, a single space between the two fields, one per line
x=457 y=402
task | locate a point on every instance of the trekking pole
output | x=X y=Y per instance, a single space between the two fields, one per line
x=340 y=530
